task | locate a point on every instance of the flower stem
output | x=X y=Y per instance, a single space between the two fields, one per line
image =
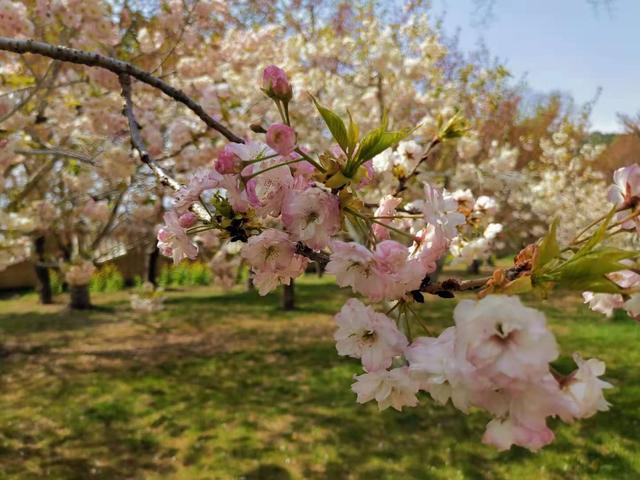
x=371 y=219
x=272 y=167
x=309 y=159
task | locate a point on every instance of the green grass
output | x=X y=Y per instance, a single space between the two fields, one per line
x=224 y=386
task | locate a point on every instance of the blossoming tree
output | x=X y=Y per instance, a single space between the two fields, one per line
x=359 y=198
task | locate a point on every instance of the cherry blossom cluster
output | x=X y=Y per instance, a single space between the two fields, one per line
x=496 y=358
x=286 y=205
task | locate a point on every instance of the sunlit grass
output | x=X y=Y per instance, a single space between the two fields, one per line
x=228 y=386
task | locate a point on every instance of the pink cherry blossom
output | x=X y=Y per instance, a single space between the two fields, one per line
x=522 y=410
x=173 y=240
x=502 y=434
x=276 y=83
x=204 y=179
x=311 y=216
x=431 y=244
x=441 y=210
x=390 y=388
x=267 y=191
x=604 y=303
x=369 y=335
x=355 y=266
x=401 y=274
x=368 y=174
x=187 y=220
x=632 y=306
x=583 y=388
x=387 y=208
x=625 y=278
x=281 y=138
x=503 y=339
x=249 y=151
x=625 y=191
x=228 y=161
x=236 y=194
x=431 y=361
x=271 y=255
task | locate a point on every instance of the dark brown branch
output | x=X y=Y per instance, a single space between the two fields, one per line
x=118 y=67
x=320 y=257
x=447 y=287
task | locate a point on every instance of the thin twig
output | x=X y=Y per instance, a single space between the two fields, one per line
x=60 y=153
x=36 y=89
x=138 y=144
x=403 y=181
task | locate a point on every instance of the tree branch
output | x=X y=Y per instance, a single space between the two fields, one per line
x=60 y=153
x=36 y=88
x=44 y=169
x=112 y=217
x=118 y=67
x=138 y=144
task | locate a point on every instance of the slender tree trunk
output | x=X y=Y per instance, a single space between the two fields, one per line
x=152 y=267
x=80 y=299
x=474 y=268
x=288 y=296
x=249 y=285
x=43 y=285
x=439 y=267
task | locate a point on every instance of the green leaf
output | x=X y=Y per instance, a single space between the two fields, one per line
x=369 y=142
x=548 y=248
x=337 y=180
x=335 y=125
x=587 y=271
x=379 y=142
x=518 y=286
x=353 y=135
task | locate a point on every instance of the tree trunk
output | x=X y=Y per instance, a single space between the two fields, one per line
x=439 y=267
x=474 y=268
x=250 y=285
x=152 y=267
x=43 y=285
x=288 y=296
x=79 y=297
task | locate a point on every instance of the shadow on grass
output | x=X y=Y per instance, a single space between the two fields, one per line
x=324 y=299
x=34 y=322
x=280 y=409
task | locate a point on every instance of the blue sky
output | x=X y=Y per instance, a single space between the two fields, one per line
x=565 y=45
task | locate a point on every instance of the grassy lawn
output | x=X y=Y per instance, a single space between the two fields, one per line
x=224 y=386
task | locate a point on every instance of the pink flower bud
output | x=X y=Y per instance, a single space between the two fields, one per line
x=281 y=138
x=227 y=162
x=187 y=220
x=164 y=235
x=276 y=84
